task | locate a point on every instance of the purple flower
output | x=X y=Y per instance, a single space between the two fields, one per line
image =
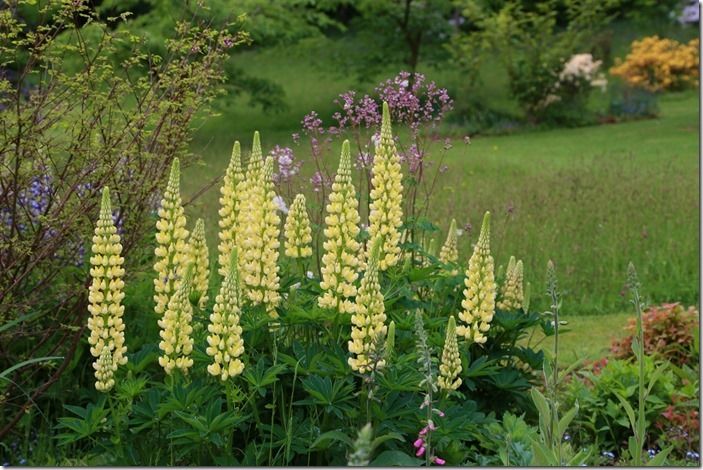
x=419 y=442
x=420 y=452
x=296 y=137
x=287 y=166
x=312 y=124
x=318 y=181
x=439 y=461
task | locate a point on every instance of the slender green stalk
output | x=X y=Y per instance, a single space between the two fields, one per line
x=639 y=432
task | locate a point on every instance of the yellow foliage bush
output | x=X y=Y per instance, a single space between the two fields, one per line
x=658 y=64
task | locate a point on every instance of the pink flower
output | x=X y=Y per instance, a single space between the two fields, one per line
x=423 y=431
x=419 y=442
x=420 y=452
x=439 y=461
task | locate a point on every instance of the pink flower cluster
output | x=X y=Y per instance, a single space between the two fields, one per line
x=354 y=113
x=412 y=100
x=421 y=442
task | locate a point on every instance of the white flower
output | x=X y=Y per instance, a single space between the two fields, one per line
x=281 y=204
x=309 y=274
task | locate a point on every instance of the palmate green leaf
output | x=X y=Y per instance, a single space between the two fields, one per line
x=259 y=377
x=395 y=458
x=329 y=437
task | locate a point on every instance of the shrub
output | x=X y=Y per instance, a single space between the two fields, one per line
x=82 y=107
x=658 y=64
x=669 y=332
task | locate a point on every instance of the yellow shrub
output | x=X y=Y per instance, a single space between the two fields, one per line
x=659 y=64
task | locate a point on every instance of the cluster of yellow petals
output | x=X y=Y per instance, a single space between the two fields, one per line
x=511 y=294
x=225 y=344
x=386 y=195
x=105 y=299
x=449 y=253
x=259 y=231
x=369 y=320
x=657 y=64
x=450 y=367
x=229 y=208
x=199 y=257
x=176 y=328
x=172 y=249
x=478 y=306
x=341 y=261
x=297 y=230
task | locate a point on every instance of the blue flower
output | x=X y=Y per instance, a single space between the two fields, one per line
x=692 y=455
x=567 y=437
x=608 y=454
x=651 y=453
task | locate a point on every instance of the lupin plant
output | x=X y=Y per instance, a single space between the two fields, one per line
x=449 y=252
x=172 y=249
x=229 y=208
x=297 y=230
x=176 y=328
x=225 y=344
x=199 y=257
x=479 y=296
x=105 y=299
x=258 y=238
x=450 y=367
x=512 y=295
x=341 y=261
x=386 y=196
x=369 y=319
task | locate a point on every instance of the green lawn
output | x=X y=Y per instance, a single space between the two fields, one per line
x=586 y=337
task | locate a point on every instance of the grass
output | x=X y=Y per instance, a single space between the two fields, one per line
x=590 y=198
x=575 y=345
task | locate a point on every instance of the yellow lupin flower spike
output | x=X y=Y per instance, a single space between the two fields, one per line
x=198 y=255
x=341 y=261
x=512 y=294
x=297 y=230
x=260 y=233
x=385 y=216
x=105 y=299
x=449 y=252
x=369 y=319
x=176 y=328
x=172 y=249
x=230 y=202
x=479 y=296
x=225 y=344
x=450 y=367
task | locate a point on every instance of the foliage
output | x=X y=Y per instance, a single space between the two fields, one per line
x=532 y=46
x=267 y=23
x=77 y=117
x=391 y=32
x=506 y=443
x=658 y=64
x=670 y=333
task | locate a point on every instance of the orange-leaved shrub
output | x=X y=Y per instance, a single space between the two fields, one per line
x=669 y=331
